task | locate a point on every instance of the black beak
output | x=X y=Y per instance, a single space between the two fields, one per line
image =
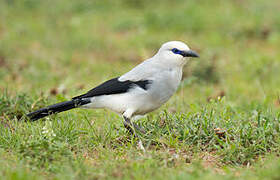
x=189 y=53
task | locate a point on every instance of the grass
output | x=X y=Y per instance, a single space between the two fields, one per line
x=223 y=123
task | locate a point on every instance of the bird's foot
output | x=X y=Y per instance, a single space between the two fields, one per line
x=140 y=146
x=138 y=128
x=132 y=127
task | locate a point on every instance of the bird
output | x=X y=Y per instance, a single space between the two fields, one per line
x=141 y=90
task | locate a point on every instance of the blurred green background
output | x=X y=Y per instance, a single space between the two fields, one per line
x=47 y=44
x=53 y=50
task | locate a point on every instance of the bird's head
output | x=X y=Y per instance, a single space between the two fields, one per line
x=175 y=52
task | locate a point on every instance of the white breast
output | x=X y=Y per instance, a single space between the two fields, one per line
x=166 y=85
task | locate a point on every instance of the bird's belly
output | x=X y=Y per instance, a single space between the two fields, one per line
x=156 y=97
x=139 y=101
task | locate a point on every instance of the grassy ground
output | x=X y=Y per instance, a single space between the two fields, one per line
x=223 y=123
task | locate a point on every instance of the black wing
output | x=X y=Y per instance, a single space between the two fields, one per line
x=114 y=86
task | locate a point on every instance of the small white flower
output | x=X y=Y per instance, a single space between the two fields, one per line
x=48 y=131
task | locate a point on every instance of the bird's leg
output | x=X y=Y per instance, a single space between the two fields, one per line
x=130 y=127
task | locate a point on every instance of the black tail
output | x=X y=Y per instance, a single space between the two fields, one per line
x=57 y=108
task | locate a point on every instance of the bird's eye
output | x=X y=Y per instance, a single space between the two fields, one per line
x=176 y=51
